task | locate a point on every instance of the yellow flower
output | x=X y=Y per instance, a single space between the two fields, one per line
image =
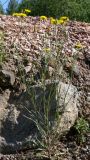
x=22 y=14
x=47 y=49
x=15 y=14
x=79 y=45
x=51 y=18
x=27 y=10
x=19 y=14
x=43 y=18
x=53 y=21
x=60 y=21
x=64 y=18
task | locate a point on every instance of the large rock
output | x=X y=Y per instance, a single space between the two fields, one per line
x=16 y=131
x=68 y=99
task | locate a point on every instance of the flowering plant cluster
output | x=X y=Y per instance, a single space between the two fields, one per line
x=61 y=20
x=19 y=14
x=22 y=14
x=27 y=11
x=43 y=18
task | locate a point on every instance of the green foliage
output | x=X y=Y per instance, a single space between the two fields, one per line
x=25 y=4
x=75 y=9
x=82 y=127
x=1 y=9
x=12 y=7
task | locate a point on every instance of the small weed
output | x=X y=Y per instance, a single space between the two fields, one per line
x=82 y=128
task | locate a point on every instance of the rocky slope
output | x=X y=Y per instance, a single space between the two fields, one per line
x=27 y=34
x=23 y=41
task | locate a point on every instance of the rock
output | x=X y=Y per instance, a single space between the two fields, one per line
x=68 y=99
x=28 y=68
x=3 y=105
x=51 y=70
x=76 y=69
x=18 y=132
x=88 y=97
x=87 y=57
x=80 y=56
x=73 y=67
x=7 y=78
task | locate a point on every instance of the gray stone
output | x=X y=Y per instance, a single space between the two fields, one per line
x=76 y=69
x=7 y=78
x=16 y=131
x=68 y=99
x=88 y=99
x=28 y=68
